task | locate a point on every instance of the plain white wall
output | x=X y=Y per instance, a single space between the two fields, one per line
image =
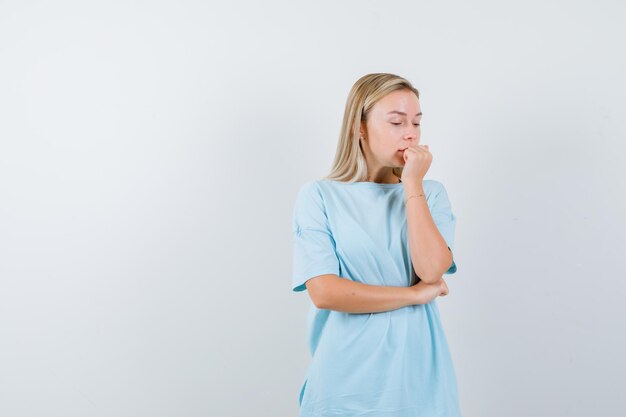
x=150 y=153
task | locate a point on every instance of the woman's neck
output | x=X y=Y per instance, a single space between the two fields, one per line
x=393 y=180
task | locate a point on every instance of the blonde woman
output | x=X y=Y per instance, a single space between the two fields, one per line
x=372 y=242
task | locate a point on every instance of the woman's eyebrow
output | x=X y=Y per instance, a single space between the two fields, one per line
x=404 y=114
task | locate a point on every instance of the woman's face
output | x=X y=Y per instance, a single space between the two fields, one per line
x=393 y=125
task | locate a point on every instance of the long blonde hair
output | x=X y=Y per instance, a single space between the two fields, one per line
x=349 y=164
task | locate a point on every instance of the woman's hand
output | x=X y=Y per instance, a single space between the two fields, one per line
x=424 y=293
x=417 y=160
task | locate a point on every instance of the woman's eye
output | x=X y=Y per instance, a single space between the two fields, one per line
x=415 y=124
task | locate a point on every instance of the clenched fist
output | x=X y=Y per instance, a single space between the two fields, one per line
x=417 y=160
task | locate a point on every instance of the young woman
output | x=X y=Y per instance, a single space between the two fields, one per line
x=372 y=242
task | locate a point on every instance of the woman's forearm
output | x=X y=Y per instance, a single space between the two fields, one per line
x=349 y=296
x=429 y=252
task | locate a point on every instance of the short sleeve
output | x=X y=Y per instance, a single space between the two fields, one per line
x=445 y=220
x=313 y=243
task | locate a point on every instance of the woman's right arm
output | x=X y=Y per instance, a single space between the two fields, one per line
x=332 y=292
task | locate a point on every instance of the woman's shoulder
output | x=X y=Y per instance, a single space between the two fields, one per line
x=317 y=188
x=309 y=188
x=436 y=192
x=433 y=183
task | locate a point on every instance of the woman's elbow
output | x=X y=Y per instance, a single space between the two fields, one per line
x=430 y=279
x=318 y=289
x=437 y=275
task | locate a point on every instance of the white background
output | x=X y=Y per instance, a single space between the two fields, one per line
x=150 y=153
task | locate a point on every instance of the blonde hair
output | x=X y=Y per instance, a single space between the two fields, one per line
x=349 y=164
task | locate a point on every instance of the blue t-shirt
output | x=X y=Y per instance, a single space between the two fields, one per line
x=394 y=363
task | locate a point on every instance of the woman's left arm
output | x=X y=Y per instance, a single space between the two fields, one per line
x=430 y=255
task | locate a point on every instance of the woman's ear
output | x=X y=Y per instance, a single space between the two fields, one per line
x=362 y=131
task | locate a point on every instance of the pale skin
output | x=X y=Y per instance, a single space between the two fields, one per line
x=390 y=138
